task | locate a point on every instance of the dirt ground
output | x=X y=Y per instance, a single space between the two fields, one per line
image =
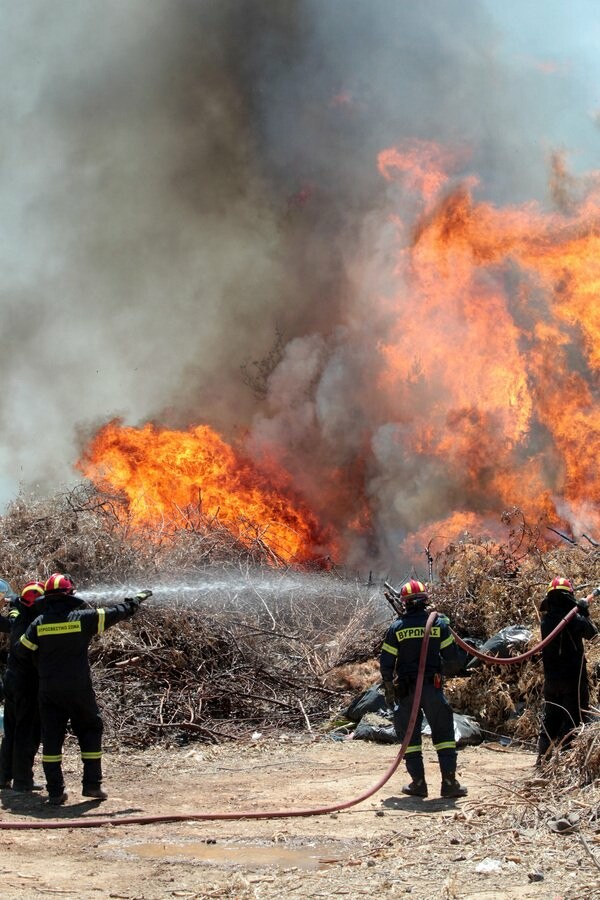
x=386 y=845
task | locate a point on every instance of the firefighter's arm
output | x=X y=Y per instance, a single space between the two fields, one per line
x=387 y=666
x=582 y=624
x=5 y=624
x=124 y=610
x=27 y=642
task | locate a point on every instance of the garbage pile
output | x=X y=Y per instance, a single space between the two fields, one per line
x=508 y=641
x=369 y=719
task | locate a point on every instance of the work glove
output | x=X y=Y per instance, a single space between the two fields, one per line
x=390 y=694
x=139 y=598
x=583 y=607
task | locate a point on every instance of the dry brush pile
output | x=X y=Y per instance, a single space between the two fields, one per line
x=232 y=641
x=258 y=646
x=217 y=671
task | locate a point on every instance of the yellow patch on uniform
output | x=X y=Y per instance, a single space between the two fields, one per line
x=406 y=633
x=58 y=628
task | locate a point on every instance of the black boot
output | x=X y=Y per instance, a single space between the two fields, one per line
x=95 y=791
x=451 y=787
x=417 y=788
x=24 y=787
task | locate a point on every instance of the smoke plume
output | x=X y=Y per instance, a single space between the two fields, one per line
x=185 y=180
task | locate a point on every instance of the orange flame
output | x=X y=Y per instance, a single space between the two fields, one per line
x=180 y=477
x=486 y=390
x=495 y=354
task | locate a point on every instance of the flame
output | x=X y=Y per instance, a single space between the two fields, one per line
x=423 y=164
x=494 y=357
x=484 y=397
x=181 y=478
x=459 y=524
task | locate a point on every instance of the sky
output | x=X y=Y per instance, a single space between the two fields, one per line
x=560 y=41
x=156 y=162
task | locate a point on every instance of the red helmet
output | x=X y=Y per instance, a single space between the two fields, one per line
x=58 y=582
x=413 y=590
x=560 y=584
x=32 y=591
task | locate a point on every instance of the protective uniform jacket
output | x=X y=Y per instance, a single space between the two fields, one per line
x=402 y=648
x=62 y=634
x=564 y=658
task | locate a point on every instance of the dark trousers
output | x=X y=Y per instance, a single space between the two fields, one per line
x=21 y=739
x=565 y=704
x=57 y=709
x=441 y=721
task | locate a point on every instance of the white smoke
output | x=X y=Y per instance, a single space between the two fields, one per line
x=136 y=237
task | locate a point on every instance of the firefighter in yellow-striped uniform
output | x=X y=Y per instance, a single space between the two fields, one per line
x=399 y=664
x=60 y=638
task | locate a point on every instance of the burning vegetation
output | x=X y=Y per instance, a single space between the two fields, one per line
x=473 y=370
x=170 y=481
x=433 y=383
x=466 y=384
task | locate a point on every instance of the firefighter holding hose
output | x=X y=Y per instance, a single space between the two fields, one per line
x=60 y=638
x=399 y=664
x=566 y=689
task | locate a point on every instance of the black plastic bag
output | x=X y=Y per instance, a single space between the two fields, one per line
x=381 y=734
x=509 y=638
x=371 y=700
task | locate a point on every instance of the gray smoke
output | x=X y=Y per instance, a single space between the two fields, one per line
x=181 y=179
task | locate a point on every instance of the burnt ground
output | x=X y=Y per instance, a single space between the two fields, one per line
x=387 y=845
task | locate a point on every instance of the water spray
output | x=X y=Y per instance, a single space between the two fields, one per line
x=264 y=586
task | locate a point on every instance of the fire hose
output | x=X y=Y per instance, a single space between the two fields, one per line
x=508 y=660
x=310 y=811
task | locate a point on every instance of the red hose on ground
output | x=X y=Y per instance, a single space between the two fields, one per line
x=252 y=814
x=508 y=660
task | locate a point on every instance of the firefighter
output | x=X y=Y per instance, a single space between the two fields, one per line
x=566 y=689
x=399 y=664
x=21 y=711
x=60 y=638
